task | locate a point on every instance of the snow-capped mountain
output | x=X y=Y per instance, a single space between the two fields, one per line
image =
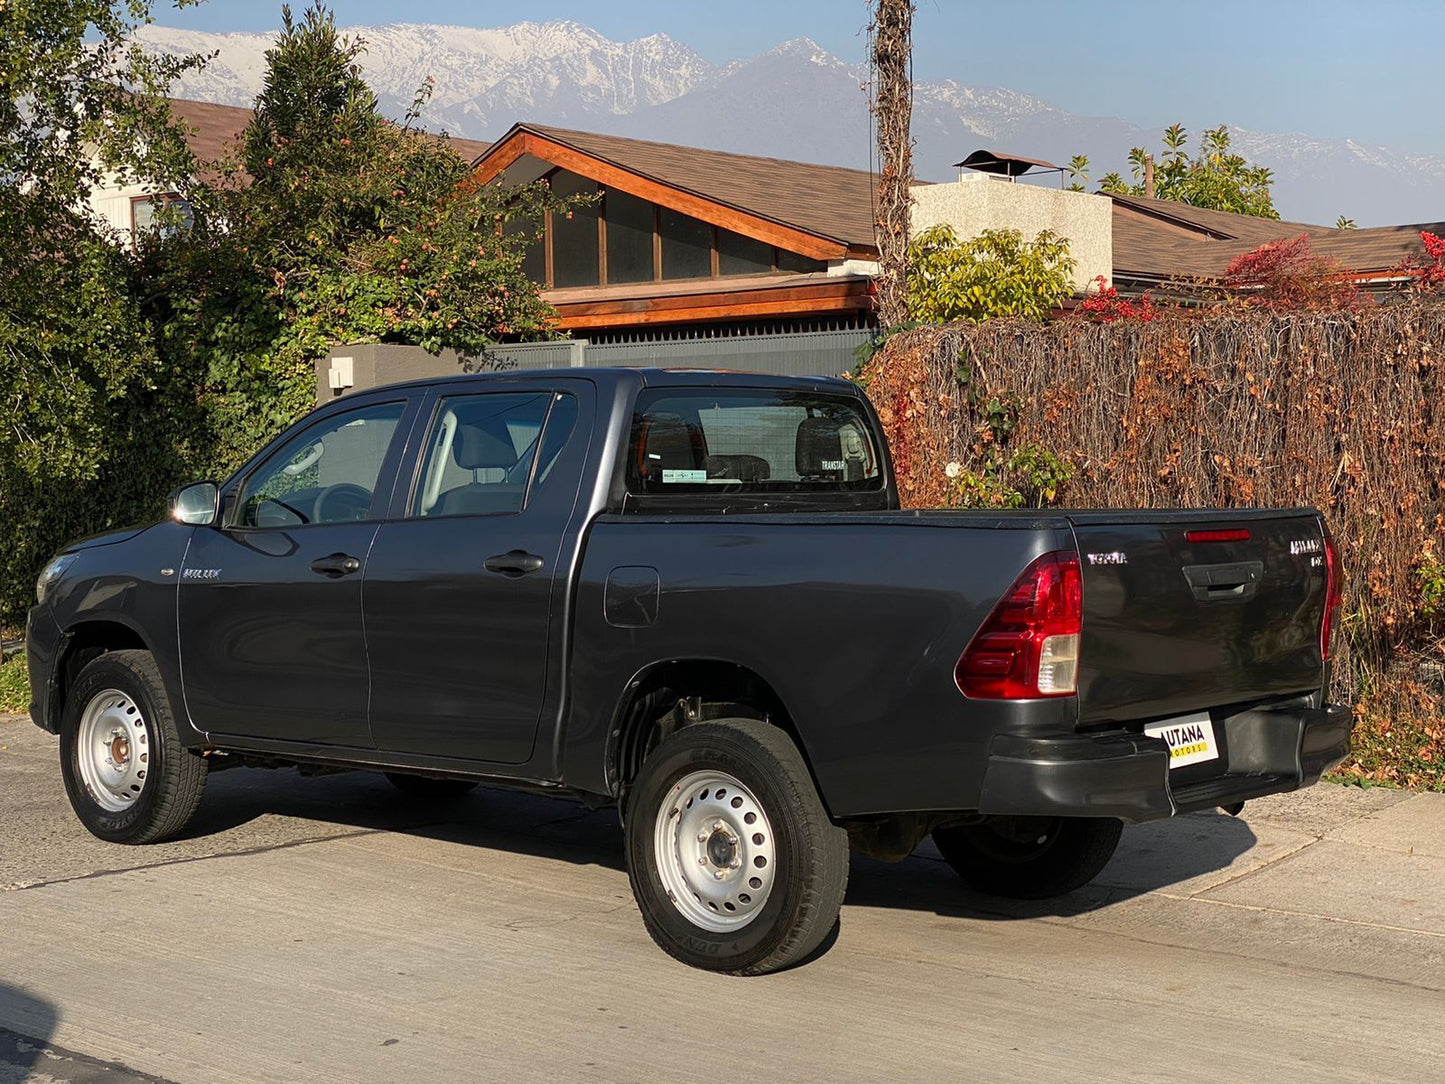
x=794 y=101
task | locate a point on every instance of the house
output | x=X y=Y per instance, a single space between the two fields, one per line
x=1160 y=241
x=683 y=237
x=695 y=256
x=212 y=129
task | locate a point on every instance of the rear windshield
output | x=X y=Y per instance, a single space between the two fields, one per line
x=692 y=441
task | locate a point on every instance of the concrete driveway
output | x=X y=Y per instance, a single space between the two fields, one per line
x=328 y=929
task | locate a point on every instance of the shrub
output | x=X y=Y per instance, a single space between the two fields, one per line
x=997 y=273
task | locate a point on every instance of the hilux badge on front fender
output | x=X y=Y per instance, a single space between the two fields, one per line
x=201 y=574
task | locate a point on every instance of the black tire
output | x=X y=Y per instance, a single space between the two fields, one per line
x=1030 y=858
x=809 y=870
x=172 y=778
x=429 y=788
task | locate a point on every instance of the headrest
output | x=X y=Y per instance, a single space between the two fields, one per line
x=477 y=449
x=819 y=449
x=670 y=443
x=745 y=468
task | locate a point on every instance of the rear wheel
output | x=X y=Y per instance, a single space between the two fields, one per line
x=427 y=787
x=127 y=775
x=733 y=861
x=1030 y=858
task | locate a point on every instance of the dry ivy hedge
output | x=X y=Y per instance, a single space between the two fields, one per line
x=1342 y=412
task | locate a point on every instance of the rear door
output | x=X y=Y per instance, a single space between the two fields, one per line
x=1191 y=610
x=462 y=584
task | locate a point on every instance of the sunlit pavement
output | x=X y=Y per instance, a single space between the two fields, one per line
x=329 y=929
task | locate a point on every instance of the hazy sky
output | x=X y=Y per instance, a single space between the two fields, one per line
x=1362 y=69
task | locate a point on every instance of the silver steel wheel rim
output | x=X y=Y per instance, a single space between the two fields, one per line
x=714 y=851
x=112 y=749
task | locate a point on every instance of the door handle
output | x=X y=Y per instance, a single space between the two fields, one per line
x=336 y=565
x=514 y=563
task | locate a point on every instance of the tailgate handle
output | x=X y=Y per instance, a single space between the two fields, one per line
x=1224 y=583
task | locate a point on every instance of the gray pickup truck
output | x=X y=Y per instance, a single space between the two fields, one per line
x=692 y=595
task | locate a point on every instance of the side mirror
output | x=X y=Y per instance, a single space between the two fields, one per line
x=196 y=503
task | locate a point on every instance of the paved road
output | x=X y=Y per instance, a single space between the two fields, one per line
x=326 y=929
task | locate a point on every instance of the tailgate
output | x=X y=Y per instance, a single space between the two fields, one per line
x=1197 y=609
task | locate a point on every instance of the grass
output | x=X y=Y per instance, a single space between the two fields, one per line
x=14 y=686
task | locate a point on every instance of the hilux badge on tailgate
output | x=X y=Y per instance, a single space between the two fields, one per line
x=1298 y=547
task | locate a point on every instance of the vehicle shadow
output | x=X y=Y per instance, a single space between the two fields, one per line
x=34 y=1020
x=513 y=821
x=1150 y=857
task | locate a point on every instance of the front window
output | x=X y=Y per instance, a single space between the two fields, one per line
x=326 y=474
x=751 y=441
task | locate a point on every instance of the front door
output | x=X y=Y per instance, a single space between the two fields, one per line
x=269 y=610
x=460 y=588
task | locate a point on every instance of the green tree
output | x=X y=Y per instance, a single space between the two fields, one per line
x=80 y=104
x=1216 y=177
x=997 y=273
x=331 y=224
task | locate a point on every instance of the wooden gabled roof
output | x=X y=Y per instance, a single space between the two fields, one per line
x=821 y=211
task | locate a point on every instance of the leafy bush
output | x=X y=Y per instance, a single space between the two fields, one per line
x=997 y=273
x=14 y=685
x=1287 y=275
x=83 y=437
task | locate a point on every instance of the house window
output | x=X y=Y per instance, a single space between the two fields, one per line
x=630 y=222
x=574 y=235
x=686 y=246
x=739 y=255
x=145 y=216
x=621 y=239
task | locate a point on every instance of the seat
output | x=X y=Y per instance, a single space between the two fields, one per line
x=477 y=449
x=667 y=442
x=827 y=450
x=743 y=468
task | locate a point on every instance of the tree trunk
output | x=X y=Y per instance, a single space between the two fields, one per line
x=892 y=52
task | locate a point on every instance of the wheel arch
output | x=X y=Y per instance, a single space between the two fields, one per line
x=668 y=695
x=79 y=644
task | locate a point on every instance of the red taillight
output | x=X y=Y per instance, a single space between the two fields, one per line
x=1334 y=593
x=1227 y=534
x=1029 y=646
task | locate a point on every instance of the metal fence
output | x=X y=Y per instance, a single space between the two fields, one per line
x=808 y=353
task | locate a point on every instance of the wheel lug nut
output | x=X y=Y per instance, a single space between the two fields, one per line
x=702 y=860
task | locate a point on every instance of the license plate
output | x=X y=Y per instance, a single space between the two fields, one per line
x=1190 y=739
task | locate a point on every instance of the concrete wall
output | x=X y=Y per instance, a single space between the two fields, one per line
x=980 y=202
x=803 y=353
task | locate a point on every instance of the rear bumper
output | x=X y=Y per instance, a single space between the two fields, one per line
x=1126 y=775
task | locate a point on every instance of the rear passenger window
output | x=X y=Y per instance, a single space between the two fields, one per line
x=482 y=451
x=750 y=441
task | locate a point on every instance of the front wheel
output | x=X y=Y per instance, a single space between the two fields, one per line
x=733 y=861
x=1030 y=858
x=127 y=775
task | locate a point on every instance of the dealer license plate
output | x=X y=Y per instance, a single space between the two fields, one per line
x=1190 y=738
